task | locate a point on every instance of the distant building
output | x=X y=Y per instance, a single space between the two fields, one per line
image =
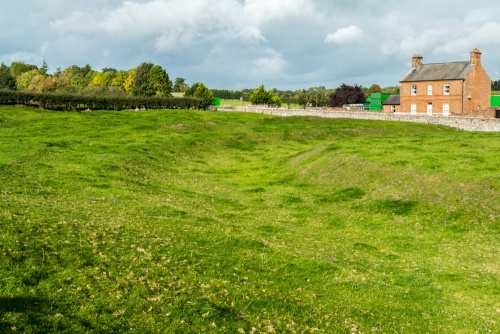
x=448 y=89
x=392 y=104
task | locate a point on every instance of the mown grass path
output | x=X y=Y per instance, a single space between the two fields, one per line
x=192 y=222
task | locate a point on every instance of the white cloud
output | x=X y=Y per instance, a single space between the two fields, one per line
x=251 y=35
x=484 y=35
x=260 y=11
x=269 y=65
x=345 y=35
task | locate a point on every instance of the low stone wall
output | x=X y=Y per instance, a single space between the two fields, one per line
x=459 y=123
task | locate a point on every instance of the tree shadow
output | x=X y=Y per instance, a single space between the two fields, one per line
x=20 y=304
x=36 y=315
x=31 y=308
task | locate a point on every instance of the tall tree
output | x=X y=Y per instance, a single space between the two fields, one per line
x=261 y=96
x=141 y=79
x=128 y=83
x=45 y=68
x=158 y=82
x=119 y=80
x=202 y=92
x=346 y=94
x=7 y=81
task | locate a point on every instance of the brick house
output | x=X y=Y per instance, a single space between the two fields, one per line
x=448 y=89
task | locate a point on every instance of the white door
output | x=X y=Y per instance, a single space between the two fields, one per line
x=446 y=109
x=429 y=108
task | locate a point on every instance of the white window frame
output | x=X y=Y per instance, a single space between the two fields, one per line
x=429 y=89
x=446 y=89
x=446 y=109
x=413 y=109
x=393 y=108
x=414 y=89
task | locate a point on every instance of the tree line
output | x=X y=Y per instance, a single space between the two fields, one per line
x=146 y=79
x=314 y=96
x=144 y=85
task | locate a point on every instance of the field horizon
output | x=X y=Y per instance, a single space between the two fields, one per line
x=176 y=221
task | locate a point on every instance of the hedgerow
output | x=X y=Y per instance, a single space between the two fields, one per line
x=75 y=102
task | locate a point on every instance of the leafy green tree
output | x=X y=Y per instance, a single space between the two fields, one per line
x=7 y=81
x=261 y=96
x=60 y=84
x=107 y=78
x=374 y=89
x=108 y=69
x=346 y=94
x=79 y=76
x=128 y=84
x=202 y=92
x=190 y=91
x=180 y=85
x=96 y=80
x=495 y=85
x=17 y=68
x=391 y=89
x=31 y=81
x=141 y=79
x=119 y=80
x=158 y=82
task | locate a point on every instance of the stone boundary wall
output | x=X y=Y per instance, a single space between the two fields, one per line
x=459 y=123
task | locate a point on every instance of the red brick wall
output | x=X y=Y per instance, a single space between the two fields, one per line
x=438 y=98
x=387 y=108
x=478 y=87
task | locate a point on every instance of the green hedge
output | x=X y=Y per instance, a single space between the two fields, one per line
x=81 y=102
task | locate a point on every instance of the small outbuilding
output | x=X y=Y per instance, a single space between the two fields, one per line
x=392 y=104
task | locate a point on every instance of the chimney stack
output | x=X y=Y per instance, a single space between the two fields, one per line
x=475 y=57
x=416 y=60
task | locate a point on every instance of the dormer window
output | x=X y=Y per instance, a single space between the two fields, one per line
x=413 y=89
x=446 y=89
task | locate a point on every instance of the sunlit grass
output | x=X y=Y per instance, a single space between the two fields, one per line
x=183 y=221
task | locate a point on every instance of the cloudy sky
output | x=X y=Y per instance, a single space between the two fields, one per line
x=235 y=44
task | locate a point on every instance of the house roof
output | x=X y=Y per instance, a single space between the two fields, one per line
x=392 y=100
x=441 y=71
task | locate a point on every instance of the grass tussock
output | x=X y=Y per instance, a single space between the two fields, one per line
x=192 y=222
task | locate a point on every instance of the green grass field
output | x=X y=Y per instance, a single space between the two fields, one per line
x=206 y=222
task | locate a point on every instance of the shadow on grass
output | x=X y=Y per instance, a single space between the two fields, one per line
x=344 y=195
x=31 y=308
x=396 y=207
x=36 y=315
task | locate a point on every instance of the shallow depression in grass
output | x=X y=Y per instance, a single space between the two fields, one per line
x=189 y=222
